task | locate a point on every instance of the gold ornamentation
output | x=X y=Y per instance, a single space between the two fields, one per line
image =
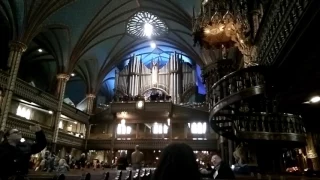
x=227 y=27
x=18 y=46
x=91 y=96
x=63 y=76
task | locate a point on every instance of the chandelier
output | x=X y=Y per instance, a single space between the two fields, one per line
x=223 y=23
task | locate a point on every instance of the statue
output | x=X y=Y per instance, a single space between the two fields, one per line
x=154 y=73
x=240 y=154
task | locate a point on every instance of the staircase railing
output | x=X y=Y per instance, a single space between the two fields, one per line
x=232 y=121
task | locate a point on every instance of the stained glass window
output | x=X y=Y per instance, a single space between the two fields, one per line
x=145 y=24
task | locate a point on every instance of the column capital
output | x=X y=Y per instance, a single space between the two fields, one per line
x=91 y=96
x=63 y=76
x=18 y=46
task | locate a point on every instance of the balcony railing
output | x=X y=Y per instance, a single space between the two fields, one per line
x=149 y=106
x=150 y=144
x=233 y=116
x=23 y=125
x=234 y=87
x=42 y=98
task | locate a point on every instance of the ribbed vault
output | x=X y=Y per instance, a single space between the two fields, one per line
x=89 y=38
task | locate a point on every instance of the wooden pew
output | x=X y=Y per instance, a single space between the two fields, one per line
x=106 y=176
x=61 y=177
x=147 y=176
x=143 y=173
x=137 y=175
x=119 y=175
x=129 y=176
x=88 y=176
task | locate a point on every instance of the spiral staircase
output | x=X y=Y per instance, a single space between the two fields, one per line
x=242 y=109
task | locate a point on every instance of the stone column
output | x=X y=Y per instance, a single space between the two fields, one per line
x=61 y=87
x=311 y=152
x=88 y=131
x=90 y=102
x=16 y=50
x=221 y=147
x=114 y=134
x=170 y=132
x=137 y=131
x=185 y=130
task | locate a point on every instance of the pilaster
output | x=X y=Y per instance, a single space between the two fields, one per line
x=90 y=103
x=61 y=87
x=16 y=50
x=311 y=152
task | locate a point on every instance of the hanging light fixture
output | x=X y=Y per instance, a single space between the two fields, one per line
x=223 y=23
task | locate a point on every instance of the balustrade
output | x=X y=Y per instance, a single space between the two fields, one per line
x=148 y=106
x=150 y=143
x=234 y=83
x=42 y=98
x=23 y=125
x=234 y=115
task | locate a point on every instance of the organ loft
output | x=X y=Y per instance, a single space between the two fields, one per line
x=173 y=80
x=238 y=78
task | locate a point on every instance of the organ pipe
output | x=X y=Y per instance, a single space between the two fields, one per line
x=175 y=77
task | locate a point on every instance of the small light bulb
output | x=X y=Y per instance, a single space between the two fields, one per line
x=153 y=45
x=40 y=50
x=315 y=99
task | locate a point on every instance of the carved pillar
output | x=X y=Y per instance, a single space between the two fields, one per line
x=16 y=50
x=88 y=131
x=221 y=147
x=62 y=153
x=90 y=102
x=114 y=129
x=170 y=132
x=137 y=131
x=185 y=130
x=62 y=82
x=1 y=96
x=311 y=152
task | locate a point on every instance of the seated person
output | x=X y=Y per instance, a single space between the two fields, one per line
x=221 y=169
x=62 y=167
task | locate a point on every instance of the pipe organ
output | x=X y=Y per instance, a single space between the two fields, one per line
x=173 y=79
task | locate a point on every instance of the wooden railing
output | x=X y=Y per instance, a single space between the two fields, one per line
x=150 y=143
x=278 y=127
x=23 y=125
x=149 y=106
x=235 y=86
x=244 y=122
x=42 y=98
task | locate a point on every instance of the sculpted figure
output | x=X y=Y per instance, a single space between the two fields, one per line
x=240 y=154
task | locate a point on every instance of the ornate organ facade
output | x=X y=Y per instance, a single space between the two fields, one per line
x=176 y=80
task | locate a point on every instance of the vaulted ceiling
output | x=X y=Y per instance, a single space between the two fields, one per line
x=88 y=38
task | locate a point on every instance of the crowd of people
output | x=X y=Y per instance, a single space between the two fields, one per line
x=15 y=158
x=49 y=162
x=179 y=157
